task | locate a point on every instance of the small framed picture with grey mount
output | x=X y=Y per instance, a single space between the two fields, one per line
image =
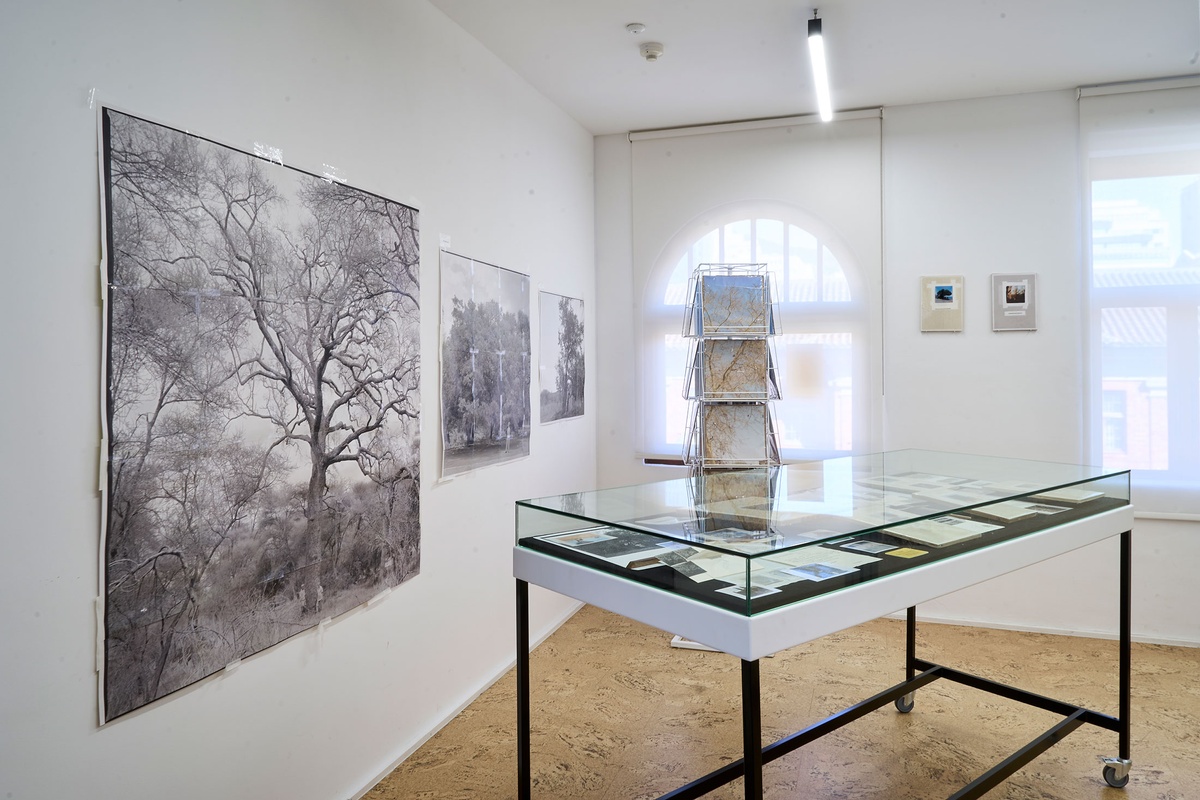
x=1014 y=302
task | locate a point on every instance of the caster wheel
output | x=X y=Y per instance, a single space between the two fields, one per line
x=1110 y=777
x=905 y=704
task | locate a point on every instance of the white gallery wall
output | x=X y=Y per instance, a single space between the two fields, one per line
x=989 y=186
x=969 y=188
x=404 y=104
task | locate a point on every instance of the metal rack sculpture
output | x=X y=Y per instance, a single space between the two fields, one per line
x=731 y=376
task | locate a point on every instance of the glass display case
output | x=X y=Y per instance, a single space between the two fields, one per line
x=753 y=540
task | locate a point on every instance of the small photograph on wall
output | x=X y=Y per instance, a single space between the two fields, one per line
x=560 y=357
x=486 y=369
x=1014 y=302
x=262 y=404
x=942 y=303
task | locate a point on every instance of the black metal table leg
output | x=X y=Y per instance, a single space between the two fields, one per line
x=524 y=784
x=905 y=703
x=752 y=730
x=1126 y=655
x=910 y=642
x=1116 y=770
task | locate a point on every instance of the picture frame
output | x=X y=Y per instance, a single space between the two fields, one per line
x=485 y=363
x=942 y=303
x=1014 y=301
x=561 y=368
x=229 y=515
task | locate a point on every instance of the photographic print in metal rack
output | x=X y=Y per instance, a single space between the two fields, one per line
x=560 y=356
x=262 y=405
x=486 y=368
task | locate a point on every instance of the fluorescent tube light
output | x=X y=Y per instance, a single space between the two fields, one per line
x=816 y=51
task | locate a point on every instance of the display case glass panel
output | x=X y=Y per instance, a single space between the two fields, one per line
x=755 y=539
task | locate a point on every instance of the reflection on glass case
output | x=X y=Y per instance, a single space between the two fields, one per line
x=755 y=539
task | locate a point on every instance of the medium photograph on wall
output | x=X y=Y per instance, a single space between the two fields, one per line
x=486 y=369
x=1014 y=302
x=560 y=356
x=262 y=404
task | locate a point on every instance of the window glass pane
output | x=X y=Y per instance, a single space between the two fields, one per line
x=675 y=408
x=816 y=373
x=769 y=250
x=738 y=243
x=1115 y=413
x=676 y=292
x=1144 y=224
x=708 y=249
x=803 y=278
x=1133 y=365
x=834 y=288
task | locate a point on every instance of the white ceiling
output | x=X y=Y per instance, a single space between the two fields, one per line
x=731 y=60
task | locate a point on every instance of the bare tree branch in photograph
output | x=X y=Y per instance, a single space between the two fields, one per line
x=332 y=356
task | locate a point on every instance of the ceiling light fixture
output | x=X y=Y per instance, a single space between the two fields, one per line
x=816 y=52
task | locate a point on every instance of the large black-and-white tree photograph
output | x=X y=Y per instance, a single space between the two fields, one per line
x=486 y=366
x=263 y=399
x=560 y=356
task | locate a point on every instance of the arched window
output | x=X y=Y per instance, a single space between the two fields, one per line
x=821 y=347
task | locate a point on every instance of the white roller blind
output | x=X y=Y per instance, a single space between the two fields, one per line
x=802 y=197
x=1141 y=147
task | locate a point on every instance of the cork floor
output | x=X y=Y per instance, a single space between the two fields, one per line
x=617 y=714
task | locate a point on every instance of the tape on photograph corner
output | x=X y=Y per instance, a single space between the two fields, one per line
x=102 y=462
x=332 y=174
x=99 y=609
x=379 y=597
x=91 y=99
x=233 y=665
x=443 y=241
x=266 y=151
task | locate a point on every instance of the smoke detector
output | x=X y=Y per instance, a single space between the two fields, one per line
x=652 y=51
